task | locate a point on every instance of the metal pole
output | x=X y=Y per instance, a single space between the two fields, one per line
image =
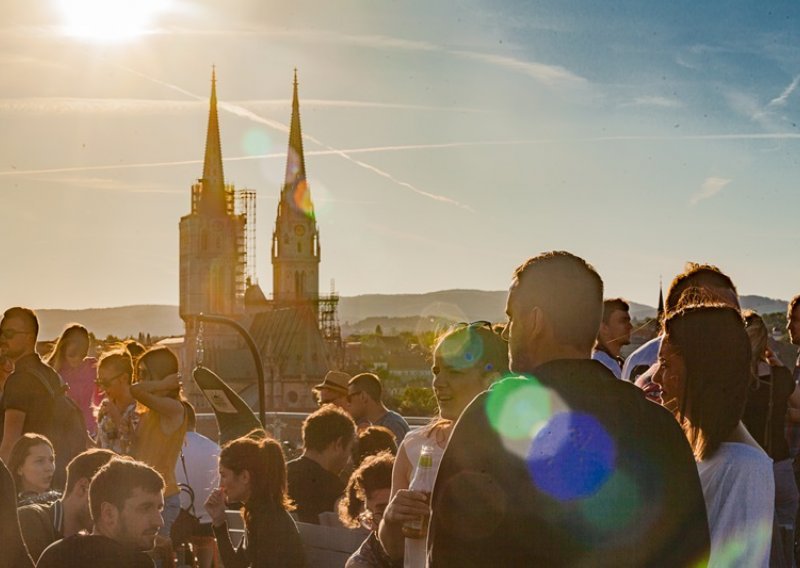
x=256 y=358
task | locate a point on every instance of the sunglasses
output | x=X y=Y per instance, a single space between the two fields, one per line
x=104 y=383
x=9 y=333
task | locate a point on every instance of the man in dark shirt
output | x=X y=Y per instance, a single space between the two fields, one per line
x=126 y=499
x=314 y=484
x=564 y=465
x=42 y=525
x=27 y=404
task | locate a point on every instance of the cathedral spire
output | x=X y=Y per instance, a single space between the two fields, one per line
x=213 y=197
x=295 y=162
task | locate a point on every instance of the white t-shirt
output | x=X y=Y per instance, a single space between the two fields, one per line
x=202 y=466
x=608 y=361
x=739 y=490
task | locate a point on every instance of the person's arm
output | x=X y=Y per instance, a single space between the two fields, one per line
x=152 y=395
x=12 y=431
x=215 y=506
x=390 y=531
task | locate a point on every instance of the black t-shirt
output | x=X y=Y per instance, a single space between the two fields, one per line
x=92 y=551
x=26 y=393
x=772 y=438
x=313 y=488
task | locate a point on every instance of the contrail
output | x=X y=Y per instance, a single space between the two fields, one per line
x=245 y=113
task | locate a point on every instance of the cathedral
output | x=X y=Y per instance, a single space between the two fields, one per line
x=296 y=330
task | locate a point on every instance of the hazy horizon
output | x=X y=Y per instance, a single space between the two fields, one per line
x=445 y=143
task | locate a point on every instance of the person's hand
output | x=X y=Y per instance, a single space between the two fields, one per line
x=773 y=359
x=406 y=506
x=215 y=507
x=645 y=382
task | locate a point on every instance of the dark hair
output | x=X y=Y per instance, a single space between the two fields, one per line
x=73 y=333
x=696 y=275
x=85 y=465
x=715 y=349
x=612 y=305
x=325 y=426
x=134 y=348
x=119 y=360
x=15 y=554
x=568 y=290
x=368 y=383
x=374 y=440
x=758 y=334
x=374 y=474
x=115 y=482
x=793 y=305
x=21 y=449
x=26 y=314
x=263 y=458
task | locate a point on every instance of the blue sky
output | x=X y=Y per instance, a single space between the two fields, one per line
x=446 y=142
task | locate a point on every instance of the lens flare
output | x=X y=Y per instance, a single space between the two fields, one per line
x=256 y=142
x=462 y=350
x=615 y=506
x=301 y=199
x=518 y=407
x=571 y=457
x=744 y=548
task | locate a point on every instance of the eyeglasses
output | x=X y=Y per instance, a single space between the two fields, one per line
x=9 y=333
x=104 y=383
x=478 y=323
x=370 y=520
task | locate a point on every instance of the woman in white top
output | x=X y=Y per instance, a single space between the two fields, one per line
x=466 y=360
x=704 y=372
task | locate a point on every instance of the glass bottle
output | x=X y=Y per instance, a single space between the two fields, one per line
x=423 y=482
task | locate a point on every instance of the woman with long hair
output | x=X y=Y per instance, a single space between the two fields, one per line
x=768 y=397
x=14 y=552
x=33 y=464
x=117 y=416
x=252 y=471
x=70 y=358
x=467 y=358
x=163 y=423
x=704 y=371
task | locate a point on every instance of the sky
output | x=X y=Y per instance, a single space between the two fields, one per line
x=446 y=142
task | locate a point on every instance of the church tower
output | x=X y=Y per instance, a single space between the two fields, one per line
x=212 y=237
x=295 y=241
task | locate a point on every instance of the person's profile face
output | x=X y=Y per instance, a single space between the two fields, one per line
x=670 y=375
x=619 y=327
x=516 y=332
x=793 y=325
x=235 y=486
x=330 y=396
x=36 y=472
x=16 y=337
x=454 y=385
x=140 y=519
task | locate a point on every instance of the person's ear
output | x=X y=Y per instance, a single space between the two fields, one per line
x=538 y=322
x=109 y=514
x=81 y=488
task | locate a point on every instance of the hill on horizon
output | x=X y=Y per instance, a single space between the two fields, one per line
x=454 y=305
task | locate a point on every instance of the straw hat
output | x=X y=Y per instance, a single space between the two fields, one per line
x=335 y=381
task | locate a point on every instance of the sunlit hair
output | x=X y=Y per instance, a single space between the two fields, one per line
x=758 y=334
x=85 y=465
x=374 y=474
x=119 y=361
x=478 y=345
x=696 y=275
x=612 y=305
x=116 y=481
x=133 y=347
x=368 y=383
x=160 y=363
x=263 y=458
x=793 y=304
x=73 y=334
x=712 y=341
x=20 y=451
x=568 y=290
x=374 y=440
x=26 y=314
x=325 y=426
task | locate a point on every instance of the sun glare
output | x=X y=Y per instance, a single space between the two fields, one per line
x=109 y=20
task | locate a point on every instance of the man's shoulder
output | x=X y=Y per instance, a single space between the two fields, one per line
x=90 y=551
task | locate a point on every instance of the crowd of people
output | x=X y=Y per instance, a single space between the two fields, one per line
x=549 y=447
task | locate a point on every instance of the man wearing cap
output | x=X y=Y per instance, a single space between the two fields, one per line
x=333 y=390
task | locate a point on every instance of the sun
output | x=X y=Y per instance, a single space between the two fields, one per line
x=109 y=20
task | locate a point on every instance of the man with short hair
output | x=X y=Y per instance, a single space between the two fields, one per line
x=314 y=484
x=42 y=525
x=564 y=465
x=614 y=334
x=333 y=389
x=27 y=404
x=706 y=277
x=125 y=498
x=364 y=395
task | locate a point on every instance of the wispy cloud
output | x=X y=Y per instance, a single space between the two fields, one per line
x=711 y=187
x=550 y=75
x=653 y=101
x=781 y=99
x=109 y=184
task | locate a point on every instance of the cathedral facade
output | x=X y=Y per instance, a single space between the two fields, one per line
x=296 y=330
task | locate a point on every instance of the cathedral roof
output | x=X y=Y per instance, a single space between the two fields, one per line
x=295 y=195
x=213 y=197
